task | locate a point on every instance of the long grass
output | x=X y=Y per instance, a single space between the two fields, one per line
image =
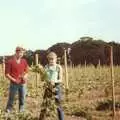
x=87 y=87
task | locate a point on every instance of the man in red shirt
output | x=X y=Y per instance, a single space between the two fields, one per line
x=16 y=71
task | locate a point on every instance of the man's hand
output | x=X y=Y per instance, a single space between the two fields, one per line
x=12 y=79
x=23 y=78
x=17 y=81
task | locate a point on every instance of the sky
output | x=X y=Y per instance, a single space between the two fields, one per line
x=38 y=24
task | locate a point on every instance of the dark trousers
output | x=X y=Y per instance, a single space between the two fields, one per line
x=48 y=96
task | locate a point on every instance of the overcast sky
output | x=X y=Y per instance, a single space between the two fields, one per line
x=38 y=24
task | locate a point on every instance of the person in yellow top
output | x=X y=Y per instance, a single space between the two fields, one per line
x=54 y=75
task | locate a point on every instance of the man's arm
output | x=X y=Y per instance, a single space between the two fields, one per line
x=25 y=74
x=10 y=77
x=8 y=71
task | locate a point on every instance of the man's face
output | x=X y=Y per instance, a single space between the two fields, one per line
x=52 y=60
x=19 y=53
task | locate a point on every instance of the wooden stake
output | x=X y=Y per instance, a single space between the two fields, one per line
x=112 y=79
x=66 y=70
x=3 y=67
x=36 y=62
x=37 y=83
x=99 y=63
x=36 y=59
x=85 y=68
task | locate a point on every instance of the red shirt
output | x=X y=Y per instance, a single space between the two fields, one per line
x=16 y=69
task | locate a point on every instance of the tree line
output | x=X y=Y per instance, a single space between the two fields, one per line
x=85 y=50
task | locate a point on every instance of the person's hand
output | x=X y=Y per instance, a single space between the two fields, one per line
x=16 y=81
x=23 y=78
x=52 y=83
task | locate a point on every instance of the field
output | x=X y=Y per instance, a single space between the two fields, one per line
x=89 y=96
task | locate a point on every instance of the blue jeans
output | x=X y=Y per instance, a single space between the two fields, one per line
x=14 y=88
x=58 y=102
